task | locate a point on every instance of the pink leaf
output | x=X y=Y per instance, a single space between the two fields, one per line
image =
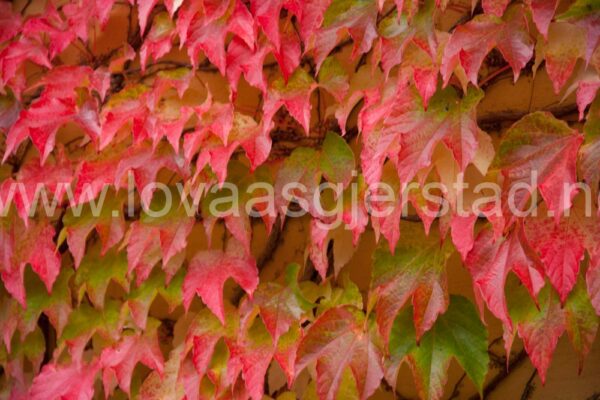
x=122 y=358
x=471 y=42
x=68 y=382
x=561 y=249
x=208 y=272
x=32 y=245
x=495 y=7
x=543 y=12
x=337 y=340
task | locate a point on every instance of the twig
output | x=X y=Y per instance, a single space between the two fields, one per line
x=26 y=6
x=513 y=115
x=529 y=386
x=271 y=246
x=502 y=375
x=361 y=62
x=493 y=75
x=456 y=391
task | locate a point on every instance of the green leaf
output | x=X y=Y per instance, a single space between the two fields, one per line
x=337 y=159
x=338 y=339
x=539 y=143
x=57 y=306
x=96 y=272
x=581 y=321
x=80 y=220
x=580 y=9
x=141 y=297
x=346 y=294
x=458 y=333
x=32 y=348
x=334 y=78
x=300 y=168
x=86 y=320
x=281 y=306
x=417 y=271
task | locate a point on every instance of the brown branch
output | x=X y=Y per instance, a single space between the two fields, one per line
x=362 y=61
x=529 y=387
x=490 y=78
x=502 y=375
x=26 y=6
x=456 y=390
x=272 y=244
x=495 y=118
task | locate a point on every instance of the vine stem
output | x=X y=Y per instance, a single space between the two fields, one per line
x=529 y=386
x=504 y=373
x=494 y=74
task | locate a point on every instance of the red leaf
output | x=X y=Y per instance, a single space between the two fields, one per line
x=358 y=18
x=288 y=55
x=540 y=331
x=254 y=347
x=159 y=236
x=266 y=14
x=127 y=106
x=489 y=263
x=294 y=95
x=471 y=42
x=178 y=79
x=586 y=93
x=318 y=249
x=51 y=24
x=36 y=181
x=22 y=245
x=203 y=334
x=337 y=340
x=157 y=42
x=242 y=24
x=92 y=177
x=122 y=358
x=145 y=165
x=67 y=382
x=418 y=131
x=311 y=17
x=561 y=249
x=209 y=36
x=173 y=6
x=243 y=60
x=209 y=270
x=542 y=146
x=462 y=232
x=590 y=163
x=495 y=7
x=417 y=272
x=40 y=122
x=542 y=13
x=14 y=55
x=10 y=23
x=144 y=9
x=565 y=44
x=281 y=307
x=60 y=84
